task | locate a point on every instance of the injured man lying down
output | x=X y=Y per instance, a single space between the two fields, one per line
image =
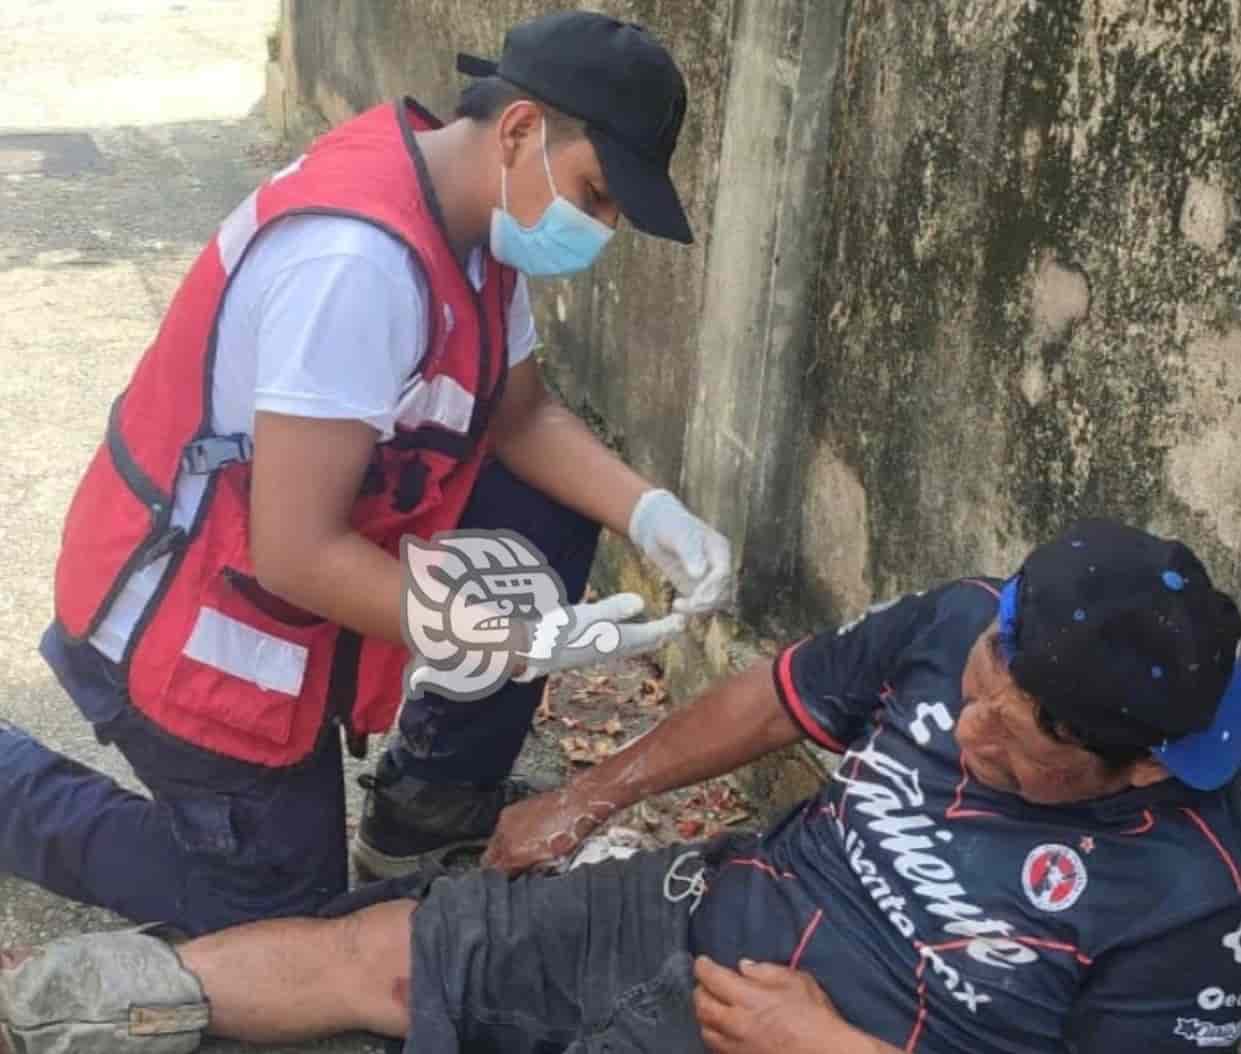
x=1030 y=844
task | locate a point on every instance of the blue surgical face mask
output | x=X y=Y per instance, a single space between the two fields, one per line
x=564 y=241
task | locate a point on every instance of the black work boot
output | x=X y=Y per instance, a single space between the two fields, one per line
x=408 y=823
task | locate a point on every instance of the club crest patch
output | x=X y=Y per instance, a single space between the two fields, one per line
x=1053 y=877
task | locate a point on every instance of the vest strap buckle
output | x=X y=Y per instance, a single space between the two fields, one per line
x=211 y=453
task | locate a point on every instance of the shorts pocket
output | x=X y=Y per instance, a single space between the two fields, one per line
x=655 y=1015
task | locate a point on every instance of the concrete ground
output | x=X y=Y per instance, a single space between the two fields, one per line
x=128 y=129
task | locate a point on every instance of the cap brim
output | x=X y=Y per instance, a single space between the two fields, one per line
x=643 y=190
x=473 y=66
x=1210 y=759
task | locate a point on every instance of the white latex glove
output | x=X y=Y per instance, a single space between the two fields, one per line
x=587 y=634
x=692 y=555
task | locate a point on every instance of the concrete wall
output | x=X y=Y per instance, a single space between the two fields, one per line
x=967 y=269
x=1031 y=309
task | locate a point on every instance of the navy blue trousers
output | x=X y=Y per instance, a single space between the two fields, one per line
x=219 y=842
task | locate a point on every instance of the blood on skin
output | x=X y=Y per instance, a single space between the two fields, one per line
x=400 y=991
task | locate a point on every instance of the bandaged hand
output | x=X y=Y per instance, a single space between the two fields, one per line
x=691 y=554
x=570 y=638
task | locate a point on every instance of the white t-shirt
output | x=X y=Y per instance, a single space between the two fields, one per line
x=326 y=318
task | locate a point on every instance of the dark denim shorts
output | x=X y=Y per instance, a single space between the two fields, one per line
x=596 y=960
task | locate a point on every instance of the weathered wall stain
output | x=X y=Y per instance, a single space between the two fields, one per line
x=1203 y=466
x=1035 y=222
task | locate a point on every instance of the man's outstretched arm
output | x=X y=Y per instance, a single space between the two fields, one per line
x=733 y=723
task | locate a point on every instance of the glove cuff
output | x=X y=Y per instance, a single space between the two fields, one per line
x=641 y=520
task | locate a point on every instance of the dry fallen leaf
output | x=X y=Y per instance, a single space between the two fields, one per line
x=649 y=816
x=720 y=797
x=613 y=727
x=652 y=692
x=585 y=751
x=689 y=828
x=578 y=749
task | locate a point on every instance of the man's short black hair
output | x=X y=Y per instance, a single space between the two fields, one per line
x=1115 y=758
x=483 y=100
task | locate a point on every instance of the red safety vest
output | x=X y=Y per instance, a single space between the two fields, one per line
x=214 y=659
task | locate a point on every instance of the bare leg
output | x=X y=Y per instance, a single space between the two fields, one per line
x=293 y=980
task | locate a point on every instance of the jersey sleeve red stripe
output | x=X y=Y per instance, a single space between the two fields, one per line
x=787 y=692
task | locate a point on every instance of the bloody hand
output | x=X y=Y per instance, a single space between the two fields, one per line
x=543 y=829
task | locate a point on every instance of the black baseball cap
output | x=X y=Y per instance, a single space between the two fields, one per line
x=623 y=84
x=1121 y=636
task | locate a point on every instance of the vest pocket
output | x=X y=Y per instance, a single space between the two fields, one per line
x=249 y=654
x=241 y=665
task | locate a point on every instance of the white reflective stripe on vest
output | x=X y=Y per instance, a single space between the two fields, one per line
x=247 y=653
x=242 y=223
x=441 y=402
x=236 y=232
x=114 y=632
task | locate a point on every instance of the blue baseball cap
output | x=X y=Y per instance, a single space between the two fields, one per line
x=1122 y=638
x=1209 y=759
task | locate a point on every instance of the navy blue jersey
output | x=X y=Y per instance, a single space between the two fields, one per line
x=943 y=916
